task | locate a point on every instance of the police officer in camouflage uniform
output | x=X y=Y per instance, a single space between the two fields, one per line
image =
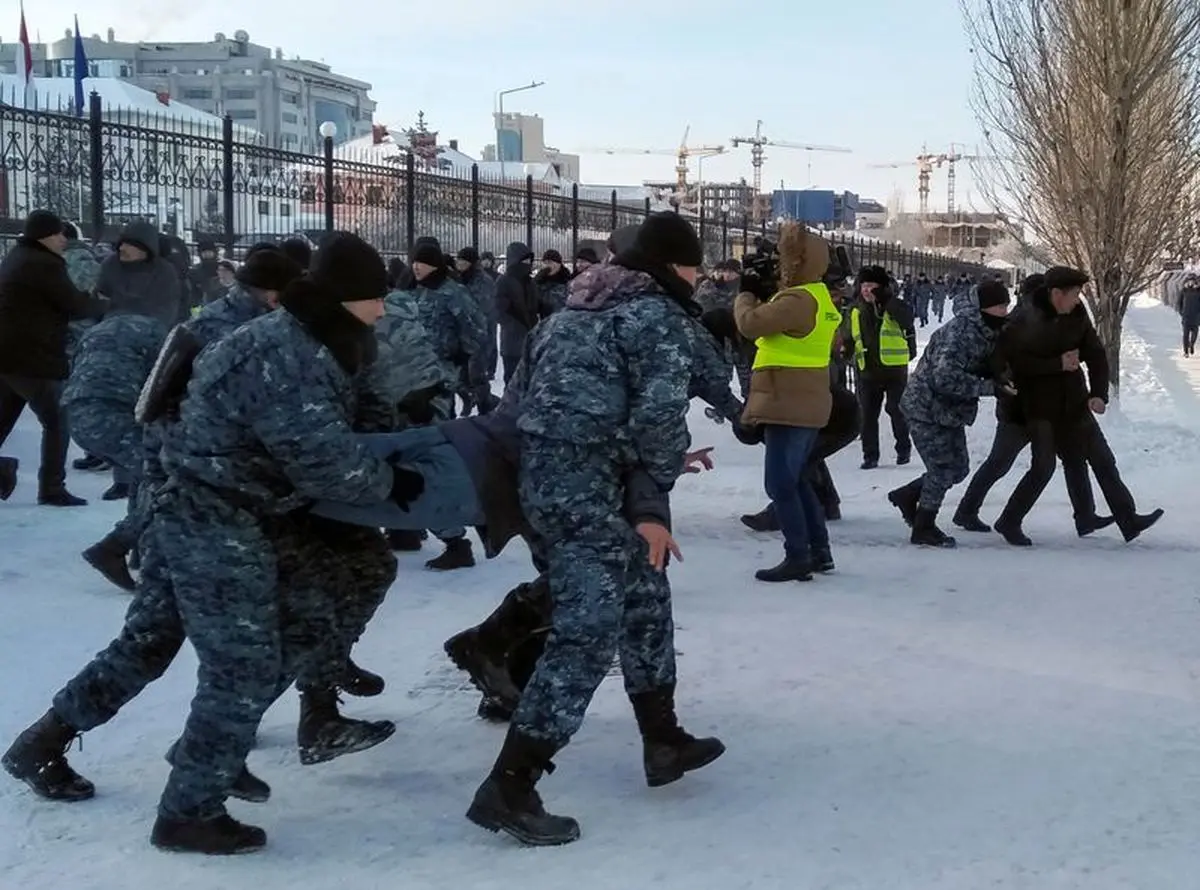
x=482 y=287
x=942 y=400
x=605 y=408
x=551 y=282
x=110 y=365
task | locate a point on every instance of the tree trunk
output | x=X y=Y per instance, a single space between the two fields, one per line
x=1108 y=320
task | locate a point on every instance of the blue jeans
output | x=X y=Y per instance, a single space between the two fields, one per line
x=796 y=505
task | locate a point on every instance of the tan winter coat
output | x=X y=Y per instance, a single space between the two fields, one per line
x=788 y=396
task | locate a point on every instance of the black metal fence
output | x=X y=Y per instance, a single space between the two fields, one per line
x=197 y=180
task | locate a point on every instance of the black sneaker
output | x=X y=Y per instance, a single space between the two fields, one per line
x=220 y=836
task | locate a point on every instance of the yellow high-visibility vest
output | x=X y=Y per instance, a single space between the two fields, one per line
x=809 y=351
x=893 y=347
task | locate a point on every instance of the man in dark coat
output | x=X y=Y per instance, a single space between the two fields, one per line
x=137 y=279
x=37 y=301
x=516 y=305
x=1189 y=313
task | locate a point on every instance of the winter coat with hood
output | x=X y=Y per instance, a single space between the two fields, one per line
x=788 y=396
x=1189 y=305
x=552 y=290
x=147 y=287
x=37 y=303
x=516 y=299
x=956 y=369
x=1032 y=346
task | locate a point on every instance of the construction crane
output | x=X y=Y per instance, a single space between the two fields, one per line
x=925 y=162
x=681 y=155
x=757 y=142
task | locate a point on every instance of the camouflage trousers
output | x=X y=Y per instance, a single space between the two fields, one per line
x=107 y=429
x=252 y=597
x=606 y=598
x=943 y=450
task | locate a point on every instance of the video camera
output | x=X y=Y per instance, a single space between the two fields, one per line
x=760 y=270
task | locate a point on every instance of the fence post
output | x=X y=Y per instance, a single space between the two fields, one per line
x=574 y=219
x=227 y=215
x=410 y=202
x=647 y=206
x=328 y=182
x=724 y=235
x=614 y=211
x=475 y=206
x=96 y=164
x=701 y=221
x=745 y=236
x=529 y=212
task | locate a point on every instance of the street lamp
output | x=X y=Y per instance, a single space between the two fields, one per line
x=328 y=130
x=532 y=85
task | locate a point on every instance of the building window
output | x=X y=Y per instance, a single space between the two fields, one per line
x=264 y=208
x=243 y=114
x=197 y=94
x=290 y=117
x=291 y=98
x=285 y=209
x=239 y=93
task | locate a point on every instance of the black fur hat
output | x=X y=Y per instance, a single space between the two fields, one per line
x=669 y=239
x=347 y=269
x=299 y=251
x=268 y=269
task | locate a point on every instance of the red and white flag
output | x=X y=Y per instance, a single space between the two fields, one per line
x=25 y=65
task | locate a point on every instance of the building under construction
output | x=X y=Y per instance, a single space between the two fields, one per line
x=961 y=231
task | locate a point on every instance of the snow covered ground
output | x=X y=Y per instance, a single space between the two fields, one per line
x=922 y=720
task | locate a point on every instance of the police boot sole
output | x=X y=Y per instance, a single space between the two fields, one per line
x=464 y=654
x=493 y=821
x=313 y=755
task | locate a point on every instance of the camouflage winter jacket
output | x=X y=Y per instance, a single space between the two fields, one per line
x=83 y=267
x=407 y=362
x=953 y=373
x=267 y=423
x=453 y=321
x=113 y=359
x=612 y=371
x=222 y=317
x=552 y=291
x=715 y=295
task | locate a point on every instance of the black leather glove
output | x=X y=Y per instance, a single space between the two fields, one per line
x=748 y=434
x=418 y=406
x=407 y=486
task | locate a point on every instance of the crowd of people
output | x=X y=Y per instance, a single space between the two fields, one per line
x=285 y=425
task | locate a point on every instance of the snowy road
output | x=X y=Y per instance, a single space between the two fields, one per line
x=922 y=720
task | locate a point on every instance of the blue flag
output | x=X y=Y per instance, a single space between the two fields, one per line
x=81 y=69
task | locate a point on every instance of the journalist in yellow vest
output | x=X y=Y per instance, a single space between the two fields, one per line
x=790 y=395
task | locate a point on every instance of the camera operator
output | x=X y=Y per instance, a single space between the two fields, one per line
x=786 y=309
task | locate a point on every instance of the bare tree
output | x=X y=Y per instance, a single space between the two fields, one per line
x=1093 y=109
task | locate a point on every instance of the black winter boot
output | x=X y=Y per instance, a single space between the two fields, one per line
x=59 y=497
x=404 y=541
x=1092 y=524
x=822 y=560
x=107 y=557
x=1010 y=530
x=360 y=682
x=482 y=651
x=457 y=555
x=249 y=787
x=89 y=463
x=118 y=491
x=762 y=521
x=1132 y=528
x=39 y=759
x=905 y=499
x=925 y=532
x=8 y=476
x=324 y=734
x=791 y=569
x=970 y=522
x=220 y=836
x=667 y=751
x=508 y=800
x=494 y=710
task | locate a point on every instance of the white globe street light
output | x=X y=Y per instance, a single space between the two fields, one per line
x=328 y=129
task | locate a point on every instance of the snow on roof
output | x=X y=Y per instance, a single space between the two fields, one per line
x=393 y=146
x=116 y=96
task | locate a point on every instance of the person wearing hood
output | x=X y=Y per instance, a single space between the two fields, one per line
x=516 y=305
x=137 y=280
x=793 y=322
x=884 y=341
x=482 y=288
x=1047 y=348
x=175 y=251
x=922 y=296
x=606 y=392
x=957 y=368
x=551 y=282
x=397 y=273
x=37 y=304
x=203 y=275
x=1189 y=313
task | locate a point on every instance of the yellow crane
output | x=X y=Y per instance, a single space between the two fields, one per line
x=758 y=142
x=681 y=155
x=925 y=162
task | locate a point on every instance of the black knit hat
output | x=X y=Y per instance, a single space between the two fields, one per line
x=874 y=275
x=1032 y=283
x=992 y=293
x=1064 y=277
x=428 y=253
x=670 y=239
x=42 y=224
x=268 y=269
x=470 y=254
x=552 y=256
x=299 y=251
x=346 y=269
x=204 y=245
x=622 y=239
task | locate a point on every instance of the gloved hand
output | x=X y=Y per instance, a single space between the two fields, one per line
x=748 y=434
x=407 y=486
x=419 y=407
x=714 y=415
